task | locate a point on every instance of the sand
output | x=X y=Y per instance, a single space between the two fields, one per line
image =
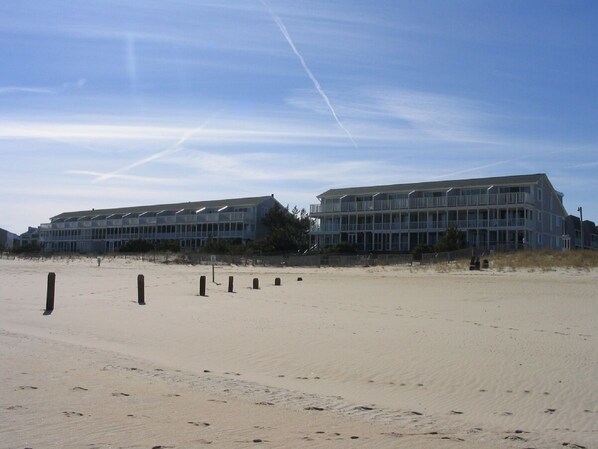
x=384 y=357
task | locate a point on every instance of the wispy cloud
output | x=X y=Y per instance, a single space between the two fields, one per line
x=43 y=90
x=439 y=117
x=171 y=149
x=309 y=73
x=124 y=177
x=28 y=90
x=268 y=129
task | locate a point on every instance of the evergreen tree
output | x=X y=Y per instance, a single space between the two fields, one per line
x=288 y=231
x=452 y=240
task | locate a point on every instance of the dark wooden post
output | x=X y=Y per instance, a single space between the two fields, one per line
x=202 y=286
x=230 y=284
x=50 y=293
x=256 y=283
x=277 y=281
x=141 y=290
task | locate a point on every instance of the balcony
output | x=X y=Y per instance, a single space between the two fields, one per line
x=418 y=226
x=487 y=200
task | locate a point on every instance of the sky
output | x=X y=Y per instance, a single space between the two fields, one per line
x=112 y=103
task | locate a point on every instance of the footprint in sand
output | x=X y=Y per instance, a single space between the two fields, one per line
x=27 y=387
x=70 y=414
x=550 y=411
x=199 y=424
x=14 y=407
x=80 y=389
x=318 y=409
x=120 y=394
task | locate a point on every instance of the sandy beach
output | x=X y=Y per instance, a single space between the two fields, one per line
x=380 y=357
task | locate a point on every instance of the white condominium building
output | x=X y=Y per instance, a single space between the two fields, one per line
x=189 y=224
x=509 y=211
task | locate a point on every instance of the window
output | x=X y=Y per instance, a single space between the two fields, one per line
x=539 y=194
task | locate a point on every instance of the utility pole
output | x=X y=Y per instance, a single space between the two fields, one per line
x=581 y=224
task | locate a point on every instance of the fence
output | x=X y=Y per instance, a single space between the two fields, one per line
x=289 y=260
x=451 y=256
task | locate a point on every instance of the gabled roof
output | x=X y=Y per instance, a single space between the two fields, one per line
x=195 y=205
x=435 y=185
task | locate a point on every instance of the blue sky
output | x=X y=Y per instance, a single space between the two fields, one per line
x=115 y=103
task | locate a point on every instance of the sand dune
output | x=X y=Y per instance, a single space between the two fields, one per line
x=368 y=357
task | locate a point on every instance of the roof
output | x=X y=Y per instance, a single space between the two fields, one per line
x=435 y=185
x=194 y=205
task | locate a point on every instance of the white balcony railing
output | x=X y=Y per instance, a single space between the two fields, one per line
x=423 y=203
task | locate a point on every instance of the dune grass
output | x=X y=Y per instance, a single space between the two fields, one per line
x=546 y=260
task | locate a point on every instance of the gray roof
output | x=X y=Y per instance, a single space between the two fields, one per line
x=440 y=185
x=194 y=205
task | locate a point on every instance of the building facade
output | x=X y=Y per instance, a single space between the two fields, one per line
x=500 y=212
x=574 y=229
x=190 y=224
x=30 y=237
x=7 y=239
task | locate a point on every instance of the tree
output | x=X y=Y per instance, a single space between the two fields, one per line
x=452 y=240
x=136 y=246
x=288 y=231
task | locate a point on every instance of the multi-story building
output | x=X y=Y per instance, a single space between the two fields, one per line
x=7 y=239
x=574 y=229
x=509 y=211
x=30 y=237
x=190 y=224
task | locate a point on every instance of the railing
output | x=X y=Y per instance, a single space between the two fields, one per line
x=227 y=217
x=494 y=199
x=419 y=225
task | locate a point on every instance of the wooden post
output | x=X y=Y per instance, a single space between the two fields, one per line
x=202 y=286
x=230 y=284
x=141 y=290
x=50 y=292
x=277 y=281
x=256 y=283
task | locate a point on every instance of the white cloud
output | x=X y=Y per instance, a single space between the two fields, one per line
x=29 y=90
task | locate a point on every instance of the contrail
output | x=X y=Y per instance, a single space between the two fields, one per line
x=172 y=149
x=287 y=36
